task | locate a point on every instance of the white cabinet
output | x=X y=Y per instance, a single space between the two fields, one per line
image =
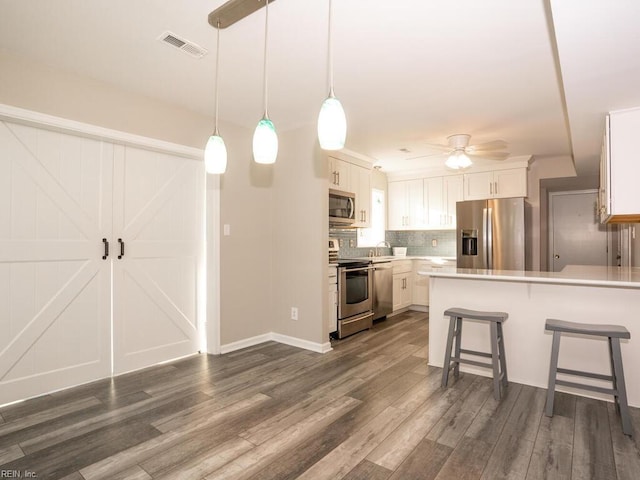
x=339 y=174
x=440 y=197
x=406 y=205
x=360 y=179
x=620 y=169
x=453 y=189
x=350 y=177
x=511 y=182
x=70 y=312
x=332 y=318
x=402 y=284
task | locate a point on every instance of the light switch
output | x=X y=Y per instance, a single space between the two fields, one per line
x=434 y=242
x=226 y=229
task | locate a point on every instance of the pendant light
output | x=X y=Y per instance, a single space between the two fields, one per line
x=215 y=153
x=332 y=122
x=265 y=139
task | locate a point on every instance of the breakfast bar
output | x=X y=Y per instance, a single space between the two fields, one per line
x=586 y=294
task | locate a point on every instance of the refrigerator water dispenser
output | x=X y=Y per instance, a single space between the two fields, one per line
x=469 y=242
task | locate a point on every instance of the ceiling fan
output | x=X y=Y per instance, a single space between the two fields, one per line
x=458 y=150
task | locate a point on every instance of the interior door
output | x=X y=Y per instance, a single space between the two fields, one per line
x=55 y=208
x=576 y=236
x=158 y=201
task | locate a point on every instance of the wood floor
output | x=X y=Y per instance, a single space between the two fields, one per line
x=370 y=409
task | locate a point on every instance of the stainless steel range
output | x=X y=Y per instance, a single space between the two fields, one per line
x=355 y=296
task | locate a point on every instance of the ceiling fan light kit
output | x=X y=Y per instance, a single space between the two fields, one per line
x=459 y=151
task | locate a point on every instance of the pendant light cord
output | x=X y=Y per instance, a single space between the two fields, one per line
x=266 y=36
x=330 y=47
x=217 y=71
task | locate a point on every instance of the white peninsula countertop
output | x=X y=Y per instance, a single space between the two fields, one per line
x=570 y=275
x=586 y=294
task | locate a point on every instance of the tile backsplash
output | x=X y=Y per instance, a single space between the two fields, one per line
x=418 y=242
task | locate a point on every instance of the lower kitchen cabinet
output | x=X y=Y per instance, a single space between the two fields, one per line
x=332 y=322
x=402 y=284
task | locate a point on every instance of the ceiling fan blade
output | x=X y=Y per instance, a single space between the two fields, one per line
x=490 y=155
x=437 y=146
x=428 y=155
x=485 y=147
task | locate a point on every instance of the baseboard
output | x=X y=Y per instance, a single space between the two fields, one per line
x=298 y=342
x=276 y=337
x=246 y=342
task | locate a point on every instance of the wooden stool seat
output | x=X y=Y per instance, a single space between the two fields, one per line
x=498 y=359
x=613 y=333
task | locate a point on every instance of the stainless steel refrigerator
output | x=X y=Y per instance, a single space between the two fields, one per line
x=491 y=234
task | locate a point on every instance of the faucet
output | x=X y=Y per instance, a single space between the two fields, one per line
x=384 y=244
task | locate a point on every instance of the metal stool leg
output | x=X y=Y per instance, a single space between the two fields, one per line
x=621 y=397
x=503 y=357
x=494 y=360
x=447 y=353
x=456 y=367
x=553 y=371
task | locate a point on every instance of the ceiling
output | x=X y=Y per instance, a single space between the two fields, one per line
x=408 y=72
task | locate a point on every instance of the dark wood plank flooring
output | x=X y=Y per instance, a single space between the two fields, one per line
x=370 y=409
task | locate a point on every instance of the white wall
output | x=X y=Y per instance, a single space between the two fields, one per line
x=535 y=218
x=300 y=232
x=246 y=255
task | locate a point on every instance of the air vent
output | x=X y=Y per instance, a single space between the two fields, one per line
x=183 y=45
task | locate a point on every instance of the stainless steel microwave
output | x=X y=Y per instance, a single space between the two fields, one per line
x=342 y=208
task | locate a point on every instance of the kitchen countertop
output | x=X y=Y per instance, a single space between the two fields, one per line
x=627 y=277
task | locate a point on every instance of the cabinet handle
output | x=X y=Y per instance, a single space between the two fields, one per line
x=490 y=188
x=121 y=248
x=105 y=242
x=496 y=188
x=338 y=173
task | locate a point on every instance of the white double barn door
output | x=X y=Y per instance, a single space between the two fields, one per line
x=68 y=316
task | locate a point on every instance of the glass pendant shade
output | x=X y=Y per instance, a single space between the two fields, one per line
x=265 y=142
x=332 y=124
x=215 y=154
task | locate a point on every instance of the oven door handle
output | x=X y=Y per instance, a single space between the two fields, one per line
x=349 y=320
x=359 y=269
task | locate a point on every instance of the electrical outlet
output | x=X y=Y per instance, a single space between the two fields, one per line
x=294 y=313
x=341 y=242
x=352 y=243
x=434 y=243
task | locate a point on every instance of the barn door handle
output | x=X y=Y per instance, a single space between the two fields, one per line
x=106 y=248
x=121 y=248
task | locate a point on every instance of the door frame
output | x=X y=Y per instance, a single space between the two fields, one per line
x=550 y=219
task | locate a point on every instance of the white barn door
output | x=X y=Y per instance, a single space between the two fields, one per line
x=158 y=202
x=55 y=208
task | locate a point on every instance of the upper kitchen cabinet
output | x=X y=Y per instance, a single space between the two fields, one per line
x=620 y=169
x=440 y=197
x=351 y=174
x=338 y=174
x=510 y=182
x=406 y=205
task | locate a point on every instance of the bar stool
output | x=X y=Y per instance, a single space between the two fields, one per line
x=498 y=359
x=613 y=333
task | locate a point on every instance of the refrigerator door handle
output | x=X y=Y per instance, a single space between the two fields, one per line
x=488 y=228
